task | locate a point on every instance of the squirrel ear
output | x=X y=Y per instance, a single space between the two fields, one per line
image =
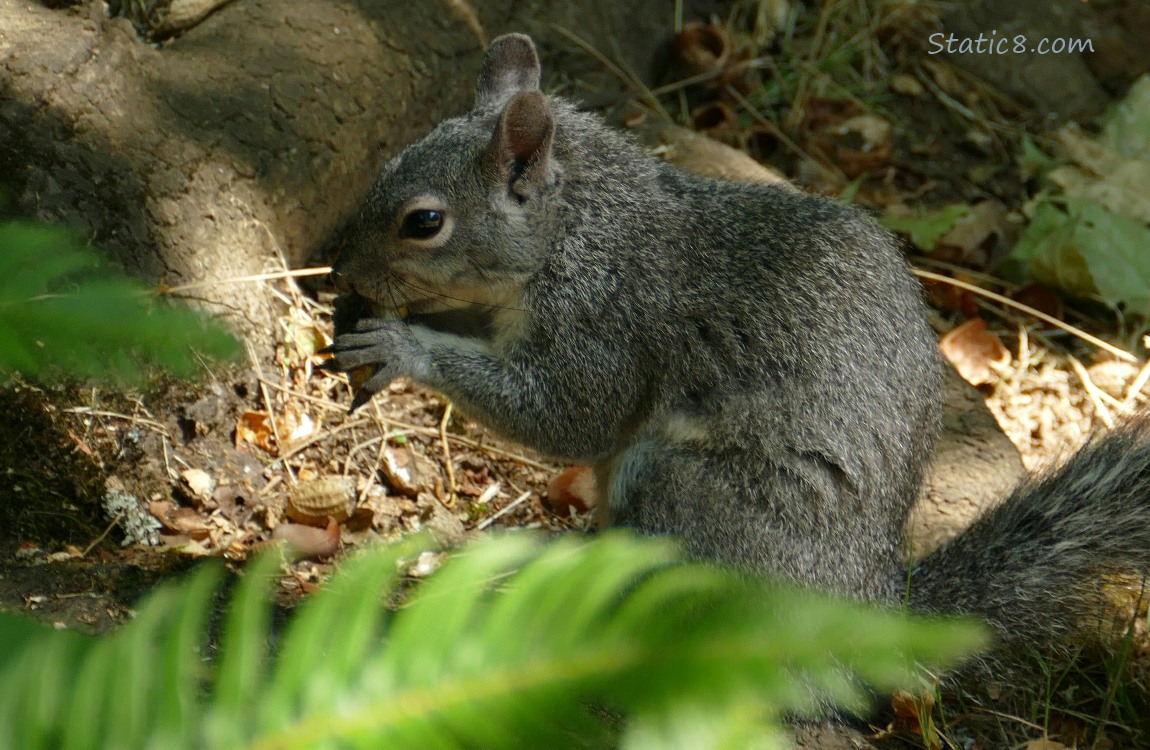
x=511 y=66
x=523 y=136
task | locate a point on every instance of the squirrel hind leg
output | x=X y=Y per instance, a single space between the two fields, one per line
x=753 y=515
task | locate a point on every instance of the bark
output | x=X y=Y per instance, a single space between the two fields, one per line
x=251 y=137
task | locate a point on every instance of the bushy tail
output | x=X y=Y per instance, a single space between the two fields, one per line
x=1030 y=567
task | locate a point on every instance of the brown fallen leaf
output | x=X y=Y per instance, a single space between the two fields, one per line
x=707 y=48
x=308 y=542
x=862 y=144
x=974 y=351
x=914 y=714
x=185 y=522
x=255 y=428
x=259 y=429
x=409 y=471
x=718 y=119
x=980 y=238
x=198 y=484
x=572 y=488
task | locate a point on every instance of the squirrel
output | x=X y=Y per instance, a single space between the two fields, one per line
x=746 y=367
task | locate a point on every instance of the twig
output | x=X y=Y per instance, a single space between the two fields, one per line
x=504 y=510
x=404 y=427
x=958 y=107
x=107 y=531
x=306 y=397
x=777 y=132
x=162 y=429
x=517 y=457
x=629 y=79
x=1093 y=392
x=317 y=271
x=271 y=412
x=371 y=474
x=1120 y=354
x=709 y=75
x=1012 y=717
x=447 y=462
x=1135 y=389
x=168 y=459
x=321 y=436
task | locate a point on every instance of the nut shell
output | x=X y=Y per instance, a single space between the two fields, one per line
x=315 y=501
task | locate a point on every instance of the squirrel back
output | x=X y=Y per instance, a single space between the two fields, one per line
x=745 y=366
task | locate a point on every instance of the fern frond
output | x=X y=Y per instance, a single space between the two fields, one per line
x=60 y=311
x=513 y=643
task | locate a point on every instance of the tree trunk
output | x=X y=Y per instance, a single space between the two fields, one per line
x=245 y=142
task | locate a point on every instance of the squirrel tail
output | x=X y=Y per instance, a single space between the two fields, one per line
x=1030 y=566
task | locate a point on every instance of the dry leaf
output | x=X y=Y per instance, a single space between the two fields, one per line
x=303 y=428
x=409 y=472
x=702 y=155
x=191 y=522
x=716 y=118
x=904 y=706
x=199 y=484
x=309 y=339
x=255 y=427
x=572 y=488
x=823 y=112
x=904 y=83
x=427 y=563
x=913 y=714
x=184 y=522
x=193 y=548
x=979 y=238
x=974 y=351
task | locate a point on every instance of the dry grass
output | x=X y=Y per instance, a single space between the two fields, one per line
x=1046 y=401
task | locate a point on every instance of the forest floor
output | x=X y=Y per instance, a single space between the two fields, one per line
x=110 y=492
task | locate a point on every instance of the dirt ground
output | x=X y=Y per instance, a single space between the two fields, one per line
x=105 y=493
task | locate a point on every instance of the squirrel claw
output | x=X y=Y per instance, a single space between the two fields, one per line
x=362 y=396
x=328 y=365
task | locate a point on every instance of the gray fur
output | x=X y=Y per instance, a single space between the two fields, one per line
x=746 y=367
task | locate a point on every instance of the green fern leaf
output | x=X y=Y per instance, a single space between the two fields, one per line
x=514 y=643
x=62 y=312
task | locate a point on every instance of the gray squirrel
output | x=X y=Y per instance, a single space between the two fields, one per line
x=746 y=367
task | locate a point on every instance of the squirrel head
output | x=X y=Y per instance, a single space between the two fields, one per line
x=460 y=220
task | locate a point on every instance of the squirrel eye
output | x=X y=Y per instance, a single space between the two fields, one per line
x=422 y=224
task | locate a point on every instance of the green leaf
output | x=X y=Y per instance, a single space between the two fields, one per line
x=925 y=228
x=1032 y=160
x=1126 y=126
x=243 y=656
x=47 y=662
x=62 y=312
x=513 y=643
x=1089 y=252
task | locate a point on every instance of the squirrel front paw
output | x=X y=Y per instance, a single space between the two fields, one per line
x=389 y=346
